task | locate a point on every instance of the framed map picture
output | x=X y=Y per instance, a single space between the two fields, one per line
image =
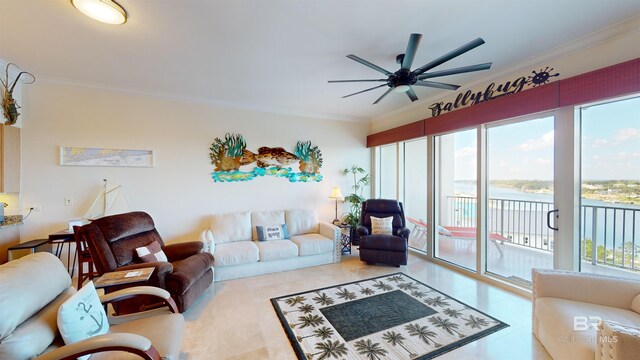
x=79 y=156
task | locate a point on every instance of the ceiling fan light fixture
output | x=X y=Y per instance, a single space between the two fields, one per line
x=106 y=11
x=401 y=88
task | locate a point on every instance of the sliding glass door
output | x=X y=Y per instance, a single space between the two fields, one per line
x=456 y=198
x=610 y=191
x=414 y=191
x=520 y=185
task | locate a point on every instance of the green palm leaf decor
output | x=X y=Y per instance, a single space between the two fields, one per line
x=329 y=349
x=437 y=301
x=396 y=278
x=324 y=333
x=408 y=286
x=323 y=299
x=371 y=350
x=304 y=308
x=293 y=301
x=382 y=286
x=445 y=324
x=346 y=294
x=396 y=339
x=423 y=333
x=475 y=322
x=453 y=313
x=309 y=320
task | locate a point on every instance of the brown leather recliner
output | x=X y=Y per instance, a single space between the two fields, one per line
x=113 y=240
x=379 y=248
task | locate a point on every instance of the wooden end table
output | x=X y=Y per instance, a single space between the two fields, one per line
x=123 y=277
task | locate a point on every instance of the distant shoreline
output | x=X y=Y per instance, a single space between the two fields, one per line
x=625 y=192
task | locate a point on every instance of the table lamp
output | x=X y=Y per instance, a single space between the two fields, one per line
x=336 y=195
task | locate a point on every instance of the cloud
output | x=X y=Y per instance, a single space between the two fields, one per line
x=541 y=161
x=544 y=141
x=466 y=151
x=599 y=143
x=627 y=134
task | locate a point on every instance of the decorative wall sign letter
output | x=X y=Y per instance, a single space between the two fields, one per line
x=492 y=92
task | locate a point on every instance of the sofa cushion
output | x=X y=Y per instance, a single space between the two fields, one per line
x=47 y=278
x=231 y=227
x=236 y=253
x=312 y=244
x=556 y=325
x=277 y=249
x=262 y=218
x=35 y=335
x=302 y=221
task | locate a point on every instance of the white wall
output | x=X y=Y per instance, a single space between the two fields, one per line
x=178 y=192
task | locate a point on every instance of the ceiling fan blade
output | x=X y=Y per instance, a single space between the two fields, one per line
x=460 y=70
x=412 y=94
x=383 y=95
x=412 y=47
x=448 y=56
x=347 y=81
x=360 y=92
x=366 y=63
x=438 y=85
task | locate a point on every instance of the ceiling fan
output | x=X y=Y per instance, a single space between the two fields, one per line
x=403 y=79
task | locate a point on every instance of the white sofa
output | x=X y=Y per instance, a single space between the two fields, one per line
x=233 y=241
x=586 y=316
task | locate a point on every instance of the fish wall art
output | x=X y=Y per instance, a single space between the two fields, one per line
x=230 y=154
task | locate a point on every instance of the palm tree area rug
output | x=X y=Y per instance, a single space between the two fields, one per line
x=386 y=317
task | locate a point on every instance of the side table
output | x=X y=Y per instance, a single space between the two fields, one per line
x=123 y=277
x=345 y=238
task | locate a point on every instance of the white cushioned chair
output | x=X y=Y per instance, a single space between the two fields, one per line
x=32 y=289
x=586 y=316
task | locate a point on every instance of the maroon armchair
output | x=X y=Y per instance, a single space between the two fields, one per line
x=379 y=248
x=113 y=240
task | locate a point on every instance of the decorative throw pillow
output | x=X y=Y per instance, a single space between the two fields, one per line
x=383 y=226
x=151 y=253
x=82 y=316
x=272 y=232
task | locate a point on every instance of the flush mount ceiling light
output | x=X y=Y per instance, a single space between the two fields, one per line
x=106 y=11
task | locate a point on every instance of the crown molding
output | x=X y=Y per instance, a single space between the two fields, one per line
x=217 y=103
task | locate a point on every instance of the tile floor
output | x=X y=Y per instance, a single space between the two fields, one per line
x=235 y=320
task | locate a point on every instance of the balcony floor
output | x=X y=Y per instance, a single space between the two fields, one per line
x=516 y=261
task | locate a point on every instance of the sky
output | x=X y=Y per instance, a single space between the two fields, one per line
x=524 y=151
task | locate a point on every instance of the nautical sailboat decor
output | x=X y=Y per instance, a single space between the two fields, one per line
x=111 y=200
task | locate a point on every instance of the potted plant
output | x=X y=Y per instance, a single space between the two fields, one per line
x=361 y=179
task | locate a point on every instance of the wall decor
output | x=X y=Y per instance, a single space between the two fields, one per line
x=9 y=105
x=469 y=97
x=79 y=156
x=228 y=155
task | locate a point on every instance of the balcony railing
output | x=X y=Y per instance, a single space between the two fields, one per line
x=615 y=229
